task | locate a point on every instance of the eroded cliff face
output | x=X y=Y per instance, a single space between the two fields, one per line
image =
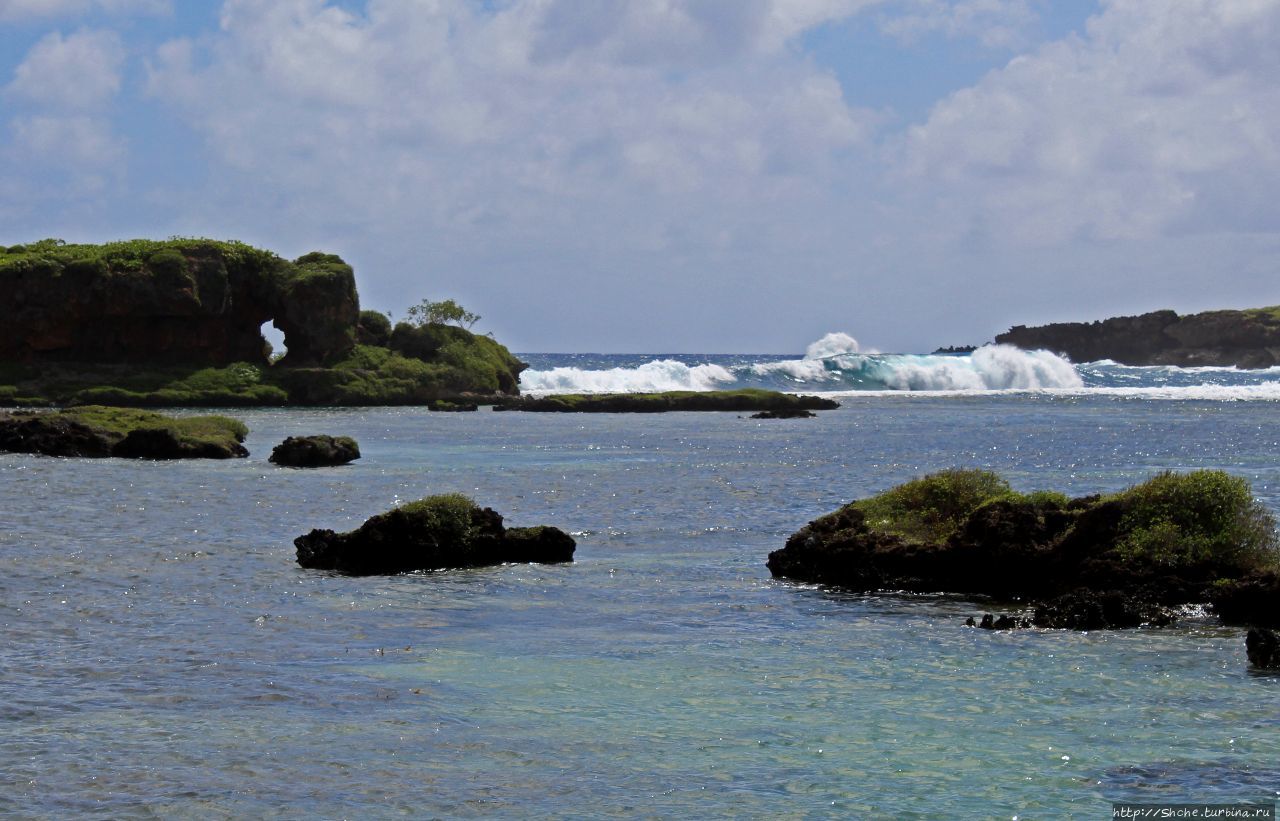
x=179 y=301
x=1245 y=339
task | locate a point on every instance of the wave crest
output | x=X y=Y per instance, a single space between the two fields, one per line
x=833 y=363
x=658 y=375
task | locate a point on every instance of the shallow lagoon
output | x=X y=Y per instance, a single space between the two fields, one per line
x=165 y=656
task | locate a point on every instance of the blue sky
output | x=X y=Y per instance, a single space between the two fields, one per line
x=662 y=175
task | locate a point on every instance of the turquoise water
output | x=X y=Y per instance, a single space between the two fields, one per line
x=165 y=656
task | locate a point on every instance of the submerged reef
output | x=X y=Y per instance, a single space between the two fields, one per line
x=746 y=399
x=178 y=323
x=1244 y=339
x=99 y=432
x=435 y=533
x=320 y=450
x=1092 y=562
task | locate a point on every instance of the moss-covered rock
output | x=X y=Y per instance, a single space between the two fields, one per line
x=178 y=323
x=191 y=301
x=746 y=399
x=1174 y=539
x=101 y=431
x=435 y=533
x=320 y=450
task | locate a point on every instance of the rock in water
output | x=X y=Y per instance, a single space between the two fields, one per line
x=96 y=431
x=1094 y=562
x=316 y=451
x=1252 y=600
x=784 y=414
x=1263 y=647
x=434 y=533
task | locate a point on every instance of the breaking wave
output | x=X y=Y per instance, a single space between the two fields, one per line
x=838 y=364
x=834 y=363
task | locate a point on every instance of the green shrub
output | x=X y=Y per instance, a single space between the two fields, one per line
x=931 y=508
x=447 y=516
x=169 y=267
x=1187 y=519
x=374 y=328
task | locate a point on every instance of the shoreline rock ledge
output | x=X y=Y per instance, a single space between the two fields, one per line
x=1122 y=560
x=436 y=533
x=1246 y=339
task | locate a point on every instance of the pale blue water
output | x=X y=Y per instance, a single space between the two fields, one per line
x=164 y=656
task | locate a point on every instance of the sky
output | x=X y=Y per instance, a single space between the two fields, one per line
x=674 y=175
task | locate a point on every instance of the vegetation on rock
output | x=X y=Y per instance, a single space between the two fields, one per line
x=1173 y=539
x=177 y=323
x=103 y=431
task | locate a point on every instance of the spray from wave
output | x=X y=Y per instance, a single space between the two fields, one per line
x=658 y=375
x=834 y=363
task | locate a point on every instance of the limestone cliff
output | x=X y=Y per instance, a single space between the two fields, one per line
x=188 y=301
x=1245 y=339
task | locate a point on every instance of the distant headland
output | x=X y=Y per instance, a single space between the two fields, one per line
x=178 y=323
x=1241 y=338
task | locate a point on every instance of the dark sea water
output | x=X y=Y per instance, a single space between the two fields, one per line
x=164 y=656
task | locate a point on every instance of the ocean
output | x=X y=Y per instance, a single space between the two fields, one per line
x=164 y=655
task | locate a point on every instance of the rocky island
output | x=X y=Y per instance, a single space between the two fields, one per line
x=95 y=431
x=435 y=533
x=1120 y=560
x=178 y=323
x=1244 y=339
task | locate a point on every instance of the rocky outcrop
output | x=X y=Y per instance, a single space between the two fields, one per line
x=179 y=301
x=784 y=414
x=1245 y=339
x=1263 y=648
x=1251 y=600
x=101 y=432
x=435 y=533
x=1088 y=563
x=748 y=399
x=316 y=451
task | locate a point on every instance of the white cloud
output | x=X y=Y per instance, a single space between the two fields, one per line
x=1161 y=119
x=67 y=142
x=521 y=116
x=994 y=23
x=80 y=71
x=25 y=10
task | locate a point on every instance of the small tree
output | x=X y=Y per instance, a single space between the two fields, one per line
x=441 y=313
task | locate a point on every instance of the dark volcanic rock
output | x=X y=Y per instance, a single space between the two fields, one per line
x=784 y=414
x=1090 y=563
x=1246 y=339
x=435 y=533
x=52 y=435
x=320 y=450
x=748 y=399
x=1263 y=648
x=1252 y=600
x=1088 y=610
x=101 y=432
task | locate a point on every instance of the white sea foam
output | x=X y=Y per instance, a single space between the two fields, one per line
x=658 y=375
x=833 y=344
x=823 y=360
x=993 y=367
x=834 y=362
x=1264 y=392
